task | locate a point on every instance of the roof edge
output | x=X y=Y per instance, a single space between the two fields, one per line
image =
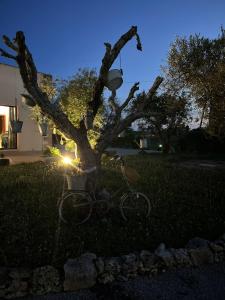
x=12 y=66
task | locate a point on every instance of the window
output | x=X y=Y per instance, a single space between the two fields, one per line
x=8 y=140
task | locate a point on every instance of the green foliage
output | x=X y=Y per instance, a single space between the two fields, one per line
x=48 y=86
x=170 y=111
x=74 y=97
x=186 y=203
x=170 y=119
x=197 y=64
x=199 y=141
x=128 y=139
x=76 y=93
x=54 y=151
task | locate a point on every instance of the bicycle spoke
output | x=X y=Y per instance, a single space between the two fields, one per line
x=76 y=205
x=130 y=208
x=75 y=208
x=135 y=205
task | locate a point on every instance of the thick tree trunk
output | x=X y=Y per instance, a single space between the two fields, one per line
x=216 y=117
x=90 y=163
x=87 y=155
x=203 y=114
x=90 y=159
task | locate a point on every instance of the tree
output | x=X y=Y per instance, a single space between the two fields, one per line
x=74 y=95
x=49 y=87
x=170 y=119
x=197 y=64
x=116 y=123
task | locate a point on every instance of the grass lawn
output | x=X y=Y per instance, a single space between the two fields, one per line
x=186 y=203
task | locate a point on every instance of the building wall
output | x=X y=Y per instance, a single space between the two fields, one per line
x=150 y=142
x=11 y=87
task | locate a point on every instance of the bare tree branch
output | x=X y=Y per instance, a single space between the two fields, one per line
x=108 y=50
x=8 y=43
x=24 y=57
x=134 y=88
x=141 y=105
x=123 y=41
x=138 y=112
x=28 y=97
x=155 y=86
x=115 y=107
x=6 y=54
x=139 y=45
x=116 y=128
x=28 y=73
x=107 y=61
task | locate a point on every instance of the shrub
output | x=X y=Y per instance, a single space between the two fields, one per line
x=200 y=142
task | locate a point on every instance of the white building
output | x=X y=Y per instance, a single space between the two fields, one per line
x=12 y=108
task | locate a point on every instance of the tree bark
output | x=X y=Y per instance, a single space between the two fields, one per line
x=202 y=115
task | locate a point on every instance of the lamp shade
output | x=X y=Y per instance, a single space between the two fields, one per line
x=114 y=79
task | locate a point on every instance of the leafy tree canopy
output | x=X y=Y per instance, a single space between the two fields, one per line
x=74 y=96
x=197 y=65
x=170 y=118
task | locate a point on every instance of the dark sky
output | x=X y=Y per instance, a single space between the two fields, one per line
x=64 y=35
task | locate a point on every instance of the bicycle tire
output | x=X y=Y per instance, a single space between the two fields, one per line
x=75 y=208
x=135 y=204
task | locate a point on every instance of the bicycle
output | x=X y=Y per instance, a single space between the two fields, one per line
x=77 y=205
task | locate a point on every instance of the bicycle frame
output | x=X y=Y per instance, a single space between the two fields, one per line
x=126 y=204
x=122 y=168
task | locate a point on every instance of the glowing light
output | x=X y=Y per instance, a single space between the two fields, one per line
x=67 y=160
x=160 y=145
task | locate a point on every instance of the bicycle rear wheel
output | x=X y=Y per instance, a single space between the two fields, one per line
x=135 y=205
x=75 y=208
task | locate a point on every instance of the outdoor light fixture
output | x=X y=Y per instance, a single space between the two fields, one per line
x=114 y=79
x=67 y=160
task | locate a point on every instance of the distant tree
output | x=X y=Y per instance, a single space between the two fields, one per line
x=170 y=119
x=127 y=139
x=197 y=65
x=114 y=125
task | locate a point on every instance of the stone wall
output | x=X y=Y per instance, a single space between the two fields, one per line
x=88 y=269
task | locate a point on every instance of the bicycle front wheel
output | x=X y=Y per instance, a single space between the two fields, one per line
x=135 y=205
x=75 y=208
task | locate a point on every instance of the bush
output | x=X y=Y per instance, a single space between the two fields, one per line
x=51 y=151
x=125 y=142
x=4 y=161
x=200 y=142
x=128 y=139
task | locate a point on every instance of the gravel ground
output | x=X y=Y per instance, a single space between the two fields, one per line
x=206 y=283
